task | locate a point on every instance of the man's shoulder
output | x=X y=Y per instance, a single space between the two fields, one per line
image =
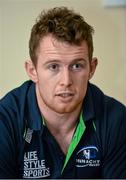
x=12 y=109
x=16 y=97
x=108 y=103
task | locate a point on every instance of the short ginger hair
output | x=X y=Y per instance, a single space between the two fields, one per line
x=65 y=25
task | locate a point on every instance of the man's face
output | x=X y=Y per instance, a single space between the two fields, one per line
x=62 y=74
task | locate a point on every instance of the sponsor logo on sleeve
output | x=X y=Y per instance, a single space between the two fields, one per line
x=87 y=156
x=33 y=167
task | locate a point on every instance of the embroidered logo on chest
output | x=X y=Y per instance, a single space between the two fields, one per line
x=87 y=156
x=33 y=167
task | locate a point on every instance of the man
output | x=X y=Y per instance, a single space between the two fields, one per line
x=59 y=125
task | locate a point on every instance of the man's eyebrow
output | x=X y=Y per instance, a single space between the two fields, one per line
x=52 y=61
x=59 y=61
x=79 y=59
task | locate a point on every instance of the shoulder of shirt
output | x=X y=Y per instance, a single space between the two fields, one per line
x=106 y=106
x=16 y=96
x=97 y=94
x=12 y=105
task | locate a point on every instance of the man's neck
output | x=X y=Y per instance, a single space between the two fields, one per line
x=60 y=123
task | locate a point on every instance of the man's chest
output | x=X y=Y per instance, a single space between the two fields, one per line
x=43 y=158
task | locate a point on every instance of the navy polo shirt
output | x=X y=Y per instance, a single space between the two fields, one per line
x=28 y=150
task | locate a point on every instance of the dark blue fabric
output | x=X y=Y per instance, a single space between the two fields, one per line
x=104 y=144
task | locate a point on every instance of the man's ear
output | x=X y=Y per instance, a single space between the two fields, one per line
x=93 y=65
x=31 y=70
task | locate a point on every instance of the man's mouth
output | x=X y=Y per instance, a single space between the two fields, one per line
x=65 y=94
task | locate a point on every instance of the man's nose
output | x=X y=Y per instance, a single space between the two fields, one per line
x=66 y=78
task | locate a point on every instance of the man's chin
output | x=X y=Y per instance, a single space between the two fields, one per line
x=64 y=110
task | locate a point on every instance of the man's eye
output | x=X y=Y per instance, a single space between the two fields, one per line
x=76 y=66
x=54 y=67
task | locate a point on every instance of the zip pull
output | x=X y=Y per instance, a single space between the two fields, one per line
x=28 y=135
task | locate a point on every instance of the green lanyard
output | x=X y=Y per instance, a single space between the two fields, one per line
x=75 y=140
